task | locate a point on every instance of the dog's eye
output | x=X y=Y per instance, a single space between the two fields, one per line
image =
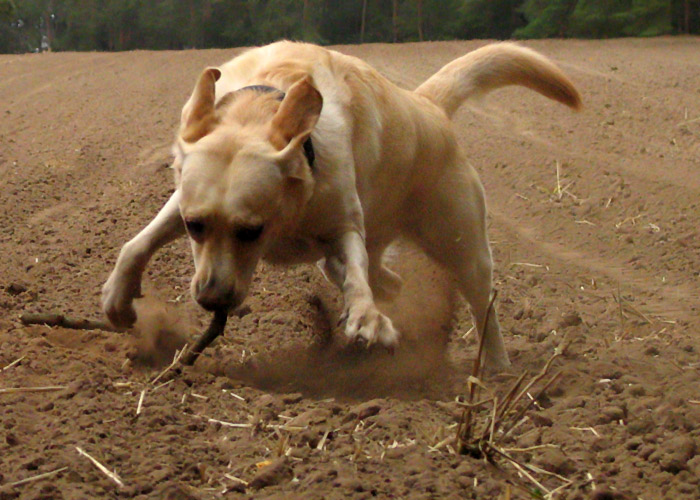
x=248 y=234
x=195 y=228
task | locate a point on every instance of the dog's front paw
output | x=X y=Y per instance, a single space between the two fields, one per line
x=118 y=294
x=366 y=323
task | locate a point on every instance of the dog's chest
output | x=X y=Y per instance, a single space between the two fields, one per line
x=293 y=250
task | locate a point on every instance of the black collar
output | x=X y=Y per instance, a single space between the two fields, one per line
x=308 y=145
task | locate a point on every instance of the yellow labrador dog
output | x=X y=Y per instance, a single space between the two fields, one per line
x=294 y=153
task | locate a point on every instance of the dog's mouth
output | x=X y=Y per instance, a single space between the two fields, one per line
x=215 y=307
x=225 y=303
x=218 y=306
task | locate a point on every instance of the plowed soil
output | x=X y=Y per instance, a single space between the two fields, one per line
x=594 y=223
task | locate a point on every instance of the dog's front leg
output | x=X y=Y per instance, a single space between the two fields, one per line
x=347 y=265
x=124 y=284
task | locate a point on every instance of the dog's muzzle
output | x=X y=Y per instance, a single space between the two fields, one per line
x=212 y=296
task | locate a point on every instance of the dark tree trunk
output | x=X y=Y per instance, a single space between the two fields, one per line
x=420 y=19
x=364 y=17
x=49 y=25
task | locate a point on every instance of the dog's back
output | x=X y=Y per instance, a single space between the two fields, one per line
x=393 y=131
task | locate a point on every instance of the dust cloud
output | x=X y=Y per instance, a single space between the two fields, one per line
x=329 y=367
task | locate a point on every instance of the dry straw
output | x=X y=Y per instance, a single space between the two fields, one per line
x=506 y=414
x=111 y=475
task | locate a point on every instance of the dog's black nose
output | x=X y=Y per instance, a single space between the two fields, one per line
x=212 y=297
x=214 y=305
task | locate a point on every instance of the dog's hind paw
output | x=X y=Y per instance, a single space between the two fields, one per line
x=368 y=325
x=497 y=363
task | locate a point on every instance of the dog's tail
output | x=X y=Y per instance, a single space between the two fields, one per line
x=495 y=66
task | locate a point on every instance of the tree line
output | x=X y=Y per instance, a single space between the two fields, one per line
x=30 y=25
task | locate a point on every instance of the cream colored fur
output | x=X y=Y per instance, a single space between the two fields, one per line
x=387 y=164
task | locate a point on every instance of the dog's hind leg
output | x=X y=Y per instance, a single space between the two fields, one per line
x=124 y=284
x=449 y=224
x=384 y=282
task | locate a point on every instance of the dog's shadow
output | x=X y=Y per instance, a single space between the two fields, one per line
x=328 y=367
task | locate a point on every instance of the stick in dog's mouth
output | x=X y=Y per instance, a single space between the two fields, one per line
x=216 y=328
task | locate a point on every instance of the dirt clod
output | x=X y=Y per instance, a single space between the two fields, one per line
x=364 y=410
x=611 y=414
x=569 y=319
x=277 y=472
x=554 y=460
x=674 y=455
x=608 y=495
x=16 y=288
x=176 y=491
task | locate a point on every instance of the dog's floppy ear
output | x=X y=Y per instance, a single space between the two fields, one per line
x=198 y=115
x=298 y=114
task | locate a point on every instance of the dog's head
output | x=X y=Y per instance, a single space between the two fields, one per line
x=244 y=180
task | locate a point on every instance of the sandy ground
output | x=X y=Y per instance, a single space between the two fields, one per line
x=600 y=260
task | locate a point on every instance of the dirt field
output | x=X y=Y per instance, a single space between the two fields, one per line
x=594 y=223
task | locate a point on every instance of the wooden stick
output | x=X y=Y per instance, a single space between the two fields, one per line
x=216 y=328
x=114 y=477
x=55 y=319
